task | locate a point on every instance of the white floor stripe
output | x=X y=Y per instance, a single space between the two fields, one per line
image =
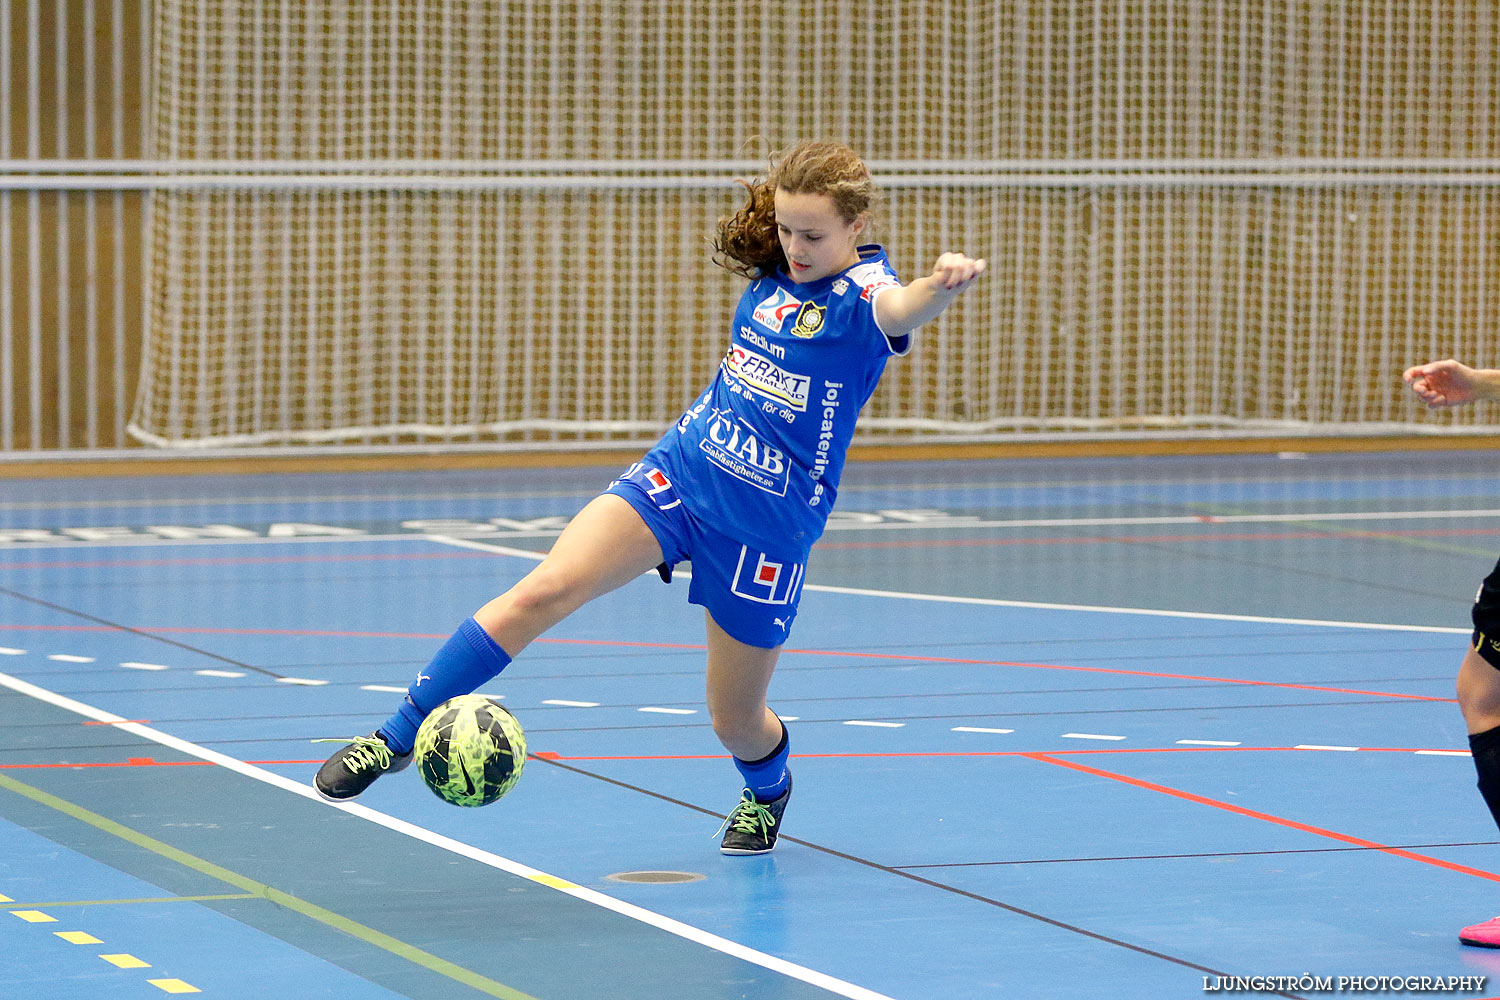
x=11 y=651
x=979 y=729
x=686 y=931
x=571 y=704
x=1089 y=736
x=304 y=681
x=1444 y=753
x=878 y=725
x=1209 y=743
x=133 y=665
x=383 y=688
x=219 y=673
x=70 y=658
x=668 y=711
x=1315 y=746
x=994 y=602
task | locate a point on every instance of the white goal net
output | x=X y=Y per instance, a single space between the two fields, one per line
x=486 y=220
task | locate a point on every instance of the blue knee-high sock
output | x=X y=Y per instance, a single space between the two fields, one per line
x=768 y=777
x=468 y=659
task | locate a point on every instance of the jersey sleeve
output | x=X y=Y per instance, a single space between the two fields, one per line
x=872 y=279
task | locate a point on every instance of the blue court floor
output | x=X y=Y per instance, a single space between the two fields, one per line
x=1127 y=728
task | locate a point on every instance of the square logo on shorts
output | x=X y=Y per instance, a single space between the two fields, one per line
x=764 y=580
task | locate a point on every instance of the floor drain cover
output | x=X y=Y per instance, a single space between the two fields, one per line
x=656 y=877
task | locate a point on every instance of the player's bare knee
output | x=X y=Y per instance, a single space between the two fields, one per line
x=735 y=729
x=546 y=595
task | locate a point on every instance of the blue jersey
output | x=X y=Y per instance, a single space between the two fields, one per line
x=760 y=453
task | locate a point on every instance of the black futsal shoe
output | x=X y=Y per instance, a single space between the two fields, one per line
x=753 y=826
x=354 y=768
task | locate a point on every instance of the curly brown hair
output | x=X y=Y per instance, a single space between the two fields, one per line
x=746 y=242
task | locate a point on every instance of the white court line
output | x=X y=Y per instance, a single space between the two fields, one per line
x=570 y=704
x=11 y=651
x=1209 y=743
x=995 y=602
x=979 y=729
x=877 y=725
x=1315 y=746
x=1089 y=736
x=682 y=930
x=841 y=521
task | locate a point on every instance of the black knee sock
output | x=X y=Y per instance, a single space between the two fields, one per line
x=1486 y=749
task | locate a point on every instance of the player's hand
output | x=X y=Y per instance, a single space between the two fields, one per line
x=955 y=271
x=1443 y=383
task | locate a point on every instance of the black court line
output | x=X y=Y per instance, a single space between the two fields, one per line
x=1176 y=857
x=140 y=633
x=900 y=873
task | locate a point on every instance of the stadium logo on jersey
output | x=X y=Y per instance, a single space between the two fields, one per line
x=809 y=321
x=765 y=581
x=774 y=309
x=732 y=446
x=764 y=377
x=871 y=278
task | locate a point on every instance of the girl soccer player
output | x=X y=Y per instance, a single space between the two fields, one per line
x=741 y=485
x=1442 y=384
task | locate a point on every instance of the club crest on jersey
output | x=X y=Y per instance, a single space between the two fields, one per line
x=809 y=321
x=765 y=581
x=774 y=309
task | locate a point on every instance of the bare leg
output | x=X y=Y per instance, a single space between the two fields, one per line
x=1478 y=693
x=738 y=677
x=605 y=547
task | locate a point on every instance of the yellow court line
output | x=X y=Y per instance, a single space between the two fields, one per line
x=124 y=961
x=78 y=937
x=33 y=916
x=312 y=911
x=131 y=902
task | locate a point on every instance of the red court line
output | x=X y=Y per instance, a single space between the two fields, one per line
x=847 y=654
x=1240 y=536
x=1266 y=817
x=908 y=543
x=549 y=755
x=244 y=560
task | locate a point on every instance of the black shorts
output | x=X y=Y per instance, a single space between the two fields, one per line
x=1486 y=615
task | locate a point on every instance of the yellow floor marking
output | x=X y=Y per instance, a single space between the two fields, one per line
x=157 y=899
x=78 y=937
x=125 y=962
x=173 y=986
x=312 y=911
x=5 y=899
x=33 y=916
x=553 y=881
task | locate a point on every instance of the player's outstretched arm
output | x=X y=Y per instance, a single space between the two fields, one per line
x=1448 y=383
x=899 y=311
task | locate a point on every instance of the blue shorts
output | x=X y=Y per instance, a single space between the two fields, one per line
x=751 y=595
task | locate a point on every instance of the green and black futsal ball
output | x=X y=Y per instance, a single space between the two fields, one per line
x=470 y=750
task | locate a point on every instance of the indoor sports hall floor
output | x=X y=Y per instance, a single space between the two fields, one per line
x=1119 y=728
